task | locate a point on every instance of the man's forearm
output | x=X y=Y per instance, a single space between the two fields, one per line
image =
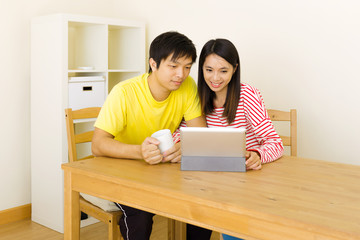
x=104 y=145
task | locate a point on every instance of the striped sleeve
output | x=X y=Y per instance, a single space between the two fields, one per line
x=262 y=135
x=176 y=134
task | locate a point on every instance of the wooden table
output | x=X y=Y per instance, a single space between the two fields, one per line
x=291 y=198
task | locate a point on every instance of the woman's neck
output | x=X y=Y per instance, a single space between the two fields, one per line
x=219 y=100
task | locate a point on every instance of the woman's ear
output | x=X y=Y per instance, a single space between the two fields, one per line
x=152 y=64
x=237 y=65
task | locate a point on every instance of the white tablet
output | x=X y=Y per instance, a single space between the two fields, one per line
x=213 y=149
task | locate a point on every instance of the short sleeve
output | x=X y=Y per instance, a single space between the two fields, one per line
x=112 y=117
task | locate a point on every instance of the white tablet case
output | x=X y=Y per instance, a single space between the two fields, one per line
x=213 y=149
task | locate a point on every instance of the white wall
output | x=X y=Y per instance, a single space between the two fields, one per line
x=301 y=54
x=15 y=91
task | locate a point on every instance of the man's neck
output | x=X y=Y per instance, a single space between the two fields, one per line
x=158 y=92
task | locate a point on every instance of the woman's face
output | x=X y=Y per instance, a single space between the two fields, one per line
x=217 y=73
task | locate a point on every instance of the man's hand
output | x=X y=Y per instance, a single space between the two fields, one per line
x=150 y=151
x=173 y=154
x=253 y=160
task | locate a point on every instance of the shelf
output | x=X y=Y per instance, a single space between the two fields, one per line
x=103 y=70
x=113 y=49
x=86 y=71
x=124 y=70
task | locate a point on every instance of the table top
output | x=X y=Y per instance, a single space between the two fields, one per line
x=290 y=197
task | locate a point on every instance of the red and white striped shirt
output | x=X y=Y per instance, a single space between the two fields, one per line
x=251 y=114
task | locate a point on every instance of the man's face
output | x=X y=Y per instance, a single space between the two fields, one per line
x=171 y=73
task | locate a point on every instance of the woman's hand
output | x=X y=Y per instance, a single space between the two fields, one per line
x=253 y=160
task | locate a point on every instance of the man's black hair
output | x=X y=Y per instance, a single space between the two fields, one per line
x=171 y=43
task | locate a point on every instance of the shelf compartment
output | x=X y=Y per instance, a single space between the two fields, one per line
x=87 y=46
x=124 y=51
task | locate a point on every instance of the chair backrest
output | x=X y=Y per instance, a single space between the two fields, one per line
x=73 y=139
x=277 y=115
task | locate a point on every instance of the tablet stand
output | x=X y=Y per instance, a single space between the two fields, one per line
x=217 y=164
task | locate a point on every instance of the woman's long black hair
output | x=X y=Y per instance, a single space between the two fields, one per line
x=225 y=49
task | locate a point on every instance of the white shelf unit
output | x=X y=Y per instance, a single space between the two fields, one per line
x=61 y=46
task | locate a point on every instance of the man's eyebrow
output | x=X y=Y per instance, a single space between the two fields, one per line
x=176 y=62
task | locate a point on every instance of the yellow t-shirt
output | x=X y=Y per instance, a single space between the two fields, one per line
x=130 y=113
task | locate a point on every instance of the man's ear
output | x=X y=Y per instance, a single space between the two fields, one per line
x=152 y=64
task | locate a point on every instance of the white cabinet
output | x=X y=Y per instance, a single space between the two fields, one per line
x=86 y=91
x=66 y=48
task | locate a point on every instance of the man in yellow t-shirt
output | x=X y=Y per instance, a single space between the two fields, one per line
x=140 y=106
x=131 y=113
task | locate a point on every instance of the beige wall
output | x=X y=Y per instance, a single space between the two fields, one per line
x=15 y=91
x=300 y=54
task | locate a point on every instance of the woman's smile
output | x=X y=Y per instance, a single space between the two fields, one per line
x=216 y=85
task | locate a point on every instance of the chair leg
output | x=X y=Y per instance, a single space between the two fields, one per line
x=80 y=224
x=114 y=230
x=117 y=227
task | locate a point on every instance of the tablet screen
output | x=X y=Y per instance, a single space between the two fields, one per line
x=223 y=142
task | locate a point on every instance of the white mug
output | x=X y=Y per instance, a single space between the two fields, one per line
x=165 y=138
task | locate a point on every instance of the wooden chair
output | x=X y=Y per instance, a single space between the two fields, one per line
x=276 y=115
x=110 y=218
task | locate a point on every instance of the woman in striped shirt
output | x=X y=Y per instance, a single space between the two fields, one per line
x=228 y=103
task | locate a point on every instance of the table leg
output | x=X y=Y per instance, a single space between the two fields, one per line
x=71 y=210
x=180 y=230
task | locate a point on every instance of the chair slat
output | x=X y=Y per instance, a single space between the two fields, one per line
x=85 y=113
x=276 y=115
x=291 y=117
x=285 y=140
x=84 y=137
